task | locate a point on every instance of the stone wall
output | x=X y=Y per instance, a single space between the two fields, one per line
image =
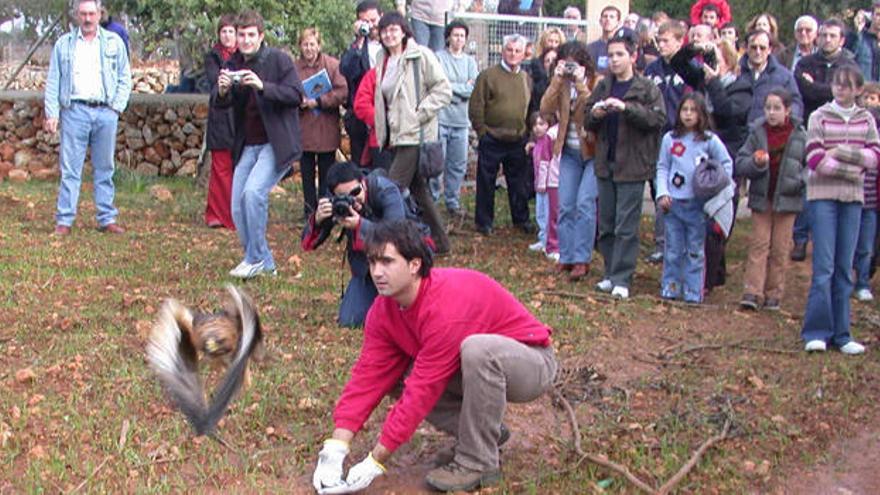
x=158 y=135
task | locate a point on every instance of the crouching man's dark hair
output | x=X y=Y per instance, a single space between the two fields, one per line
x=340 y=173
x=406 y=237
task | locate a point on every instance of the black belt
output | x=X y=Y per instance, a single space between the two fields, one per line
x=90 y=103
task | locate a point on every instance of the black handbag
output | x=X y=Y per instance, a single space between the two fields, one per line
x=432 y=159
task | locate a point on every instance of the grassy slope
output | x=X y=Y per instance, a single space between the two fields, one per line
x=75 y=311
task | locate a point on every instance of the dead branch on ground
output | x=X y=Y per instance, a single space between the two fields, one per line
x=602 y=461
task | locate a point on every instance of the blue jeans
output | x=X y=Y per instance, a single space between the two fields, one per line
x=428 y=35
x=835 y=227
x=255 y=175
x=683 y=253
x=542 y=215
x=578 y=191
x=455 y=147
x=84 y=127
x=865 y=248
x=801 y=231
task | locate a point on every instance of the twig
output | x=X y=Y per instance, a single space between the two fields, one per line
x=155 y=462
x=89 y=477
x=596 y=459
x=123 y=434
x=689 y=465
x=744 y=344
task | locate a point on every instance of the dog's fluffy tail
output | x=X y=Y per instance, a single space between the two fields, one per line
x=174 y=359
x=173 y=356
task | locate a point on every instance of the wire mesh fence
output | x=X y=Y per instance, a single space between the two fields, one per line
x=488 y=30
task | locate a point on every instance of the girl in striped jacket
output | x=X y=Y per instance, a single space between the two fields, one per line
x=842 y=144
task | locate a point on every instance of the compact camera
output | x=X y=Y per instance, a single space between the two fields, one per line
x=341 y=205
x=363 y=29
x=569 y=68
x=236 y=79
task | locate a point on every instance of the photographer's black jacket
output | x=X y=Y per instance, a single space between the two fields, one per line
x=384 y=202
x=278 y=102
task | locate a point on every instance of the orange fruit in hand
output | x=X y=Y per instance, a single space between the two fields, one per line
x=761 y=156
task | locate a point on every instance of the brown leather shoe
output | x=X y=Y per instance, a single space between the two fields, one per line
x=563 y=267
x=112 y=228
x=579 y=271
x=62 y=230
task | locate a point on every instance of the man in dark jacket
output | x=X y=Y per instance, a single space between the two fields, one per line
x=628 y=115
x=373 y=199
x=813 y=72
x=764 y=72
x=265 y=92
x=354 y=64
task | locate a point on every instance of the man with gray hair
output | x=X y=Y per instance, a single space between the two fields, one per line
x=805 y=31
x=87 y=88
x=498 y=109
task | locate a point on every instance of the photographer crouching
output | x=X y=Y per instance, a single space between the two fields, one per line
x=357 y=204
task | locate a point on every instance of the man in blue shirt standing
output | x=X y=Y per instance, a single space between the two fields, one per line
x=87 y=88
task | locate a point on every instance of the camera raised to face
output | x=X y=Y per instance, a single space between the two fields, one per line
x=236 y=79
x=569 y=68
x=342 y=204
x=363 y=28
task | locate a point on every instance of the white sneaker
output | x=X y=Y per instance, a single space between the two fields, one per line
x=605 y=285
x=620 y=292
x=554 y=257
x=864 y=295
x=239 y=268
x=247 y=270
x=816 y=346
x=852 y=348
x=537 y=246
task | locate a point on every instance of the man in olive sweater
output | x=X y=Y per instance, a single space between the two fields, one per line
x=498 y=110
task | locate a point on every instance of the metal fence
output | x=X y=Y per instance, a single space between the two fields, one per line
x=487 y=31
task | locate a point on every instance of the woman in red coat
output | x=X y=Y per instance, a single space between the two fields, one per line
x=319 y=117
x=221 y=131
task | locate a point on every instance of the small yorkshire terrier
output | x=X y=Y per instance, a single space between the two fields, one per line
x=227 y=338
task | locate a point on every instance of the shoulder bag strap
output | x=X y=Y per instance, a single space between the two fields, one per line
x=418 y=78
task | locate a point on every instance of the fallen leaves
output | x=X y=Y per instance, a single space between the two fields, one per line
x=25 y=375
x=161 y=193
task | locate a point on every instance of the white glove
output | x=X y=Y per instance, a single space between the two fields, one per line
x=328 y=473
x=359 y=476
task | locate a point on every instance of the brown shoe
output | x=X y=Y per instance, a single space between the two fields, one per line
x=62 y=230
x=563 y=267
x=579 y=271
x=454 y=477
x=111 y=228
x=447 y=455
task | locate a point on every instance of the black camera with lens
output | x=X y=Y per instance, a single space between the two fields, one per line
x=342 y=203
x=363 y=29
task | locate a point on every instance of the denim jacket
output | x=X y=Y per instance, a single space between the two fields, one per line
x=115 y=72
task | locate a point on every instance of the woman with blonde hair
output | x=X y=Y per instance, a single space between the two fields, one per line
x=766 y=22
x=319 y=117
x=549 y=39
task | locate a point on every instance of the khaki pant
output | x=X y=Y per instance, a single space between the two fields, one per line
x=769 y=248
x=495 y=370
x=405 y=172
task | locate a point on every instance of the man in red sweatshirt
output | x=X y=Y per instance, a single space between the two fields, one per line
x=463 y=347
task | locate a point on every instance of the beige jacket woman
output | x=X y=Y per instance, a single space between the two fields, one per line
x=405 y=116
x=557 y=102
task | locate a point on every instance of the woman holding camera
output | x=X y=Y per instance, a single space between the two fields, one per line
x=221 y=131
x=319 y=117
x=574 y=77
x=407 y=115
